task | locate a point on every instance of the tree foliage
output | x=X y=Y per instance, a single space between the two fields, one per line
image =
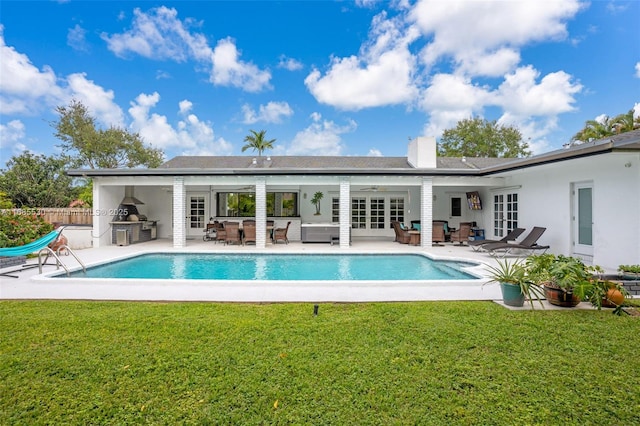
x=257 y=142
x=607 y=126
x=37 y=181
x=477 y=137
x=96 y=148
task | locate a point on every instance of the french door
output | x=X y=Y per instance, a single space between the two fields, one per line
x=505 y=213
x=582 y=227
x=197 y=213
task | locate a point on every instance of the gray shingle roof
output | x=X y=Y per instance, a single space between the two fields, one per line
x=320 y=162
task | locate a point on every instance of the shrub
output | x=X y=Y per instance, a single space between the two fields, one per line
x=17 y=229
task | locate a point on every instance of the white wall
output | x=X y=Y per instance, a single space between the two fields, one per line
x=545 y=200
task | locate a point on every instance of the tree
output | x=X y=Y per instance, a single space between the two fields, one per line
x=477 y=137
x=96 y=148
x=37 y=181
x=257 y=142
x=606 y=126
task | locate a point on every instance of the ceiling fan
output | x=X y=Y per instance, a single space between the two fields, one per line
x=374 y=188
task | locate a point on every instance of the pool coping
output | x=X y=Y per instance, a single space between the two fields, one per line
x=47 y=286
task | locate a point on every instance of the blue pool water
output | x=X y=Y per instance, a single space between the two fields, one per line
x=289 y=267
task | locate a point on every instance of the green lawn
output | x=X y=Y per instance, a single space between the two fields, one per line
x=379 y=363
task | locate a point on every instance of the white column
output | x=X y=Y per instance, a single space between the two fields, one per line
x=345 y=212
x=179 y=213
x=426 y=211
x=261 y=212
x=98 y=217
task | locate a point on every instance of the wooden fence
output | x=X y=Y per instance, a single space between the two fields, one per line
x=66 y=216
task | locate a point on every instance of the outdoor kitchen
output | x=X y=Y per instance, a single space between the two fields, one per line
x=129 y=226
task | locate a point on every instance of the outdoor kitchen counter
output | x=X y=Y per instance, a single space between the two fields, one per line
x=137 y=232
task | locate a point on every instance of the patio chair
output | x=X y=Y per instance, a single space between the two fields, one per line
x=233 y=233
x=461 y=235
x=437 y=233
x=513 y=235
x=249 y=231
x=402 y=235
x=280 y=234
x=210 y=231
x=221 y=232
x=270 y=225
x=529 y=244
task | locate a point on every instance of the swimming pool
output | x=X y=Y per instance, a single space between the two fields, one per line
x=280 y=267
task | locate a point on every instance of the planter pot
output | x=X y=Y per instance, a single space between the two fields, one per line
x=558 y=297
x=631 y=276
x=511 y=294
x=613 y=299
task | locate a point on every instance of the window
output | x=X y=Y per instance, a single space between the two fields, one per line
x=359 y=213
x=396 y=210
x=243 y=204
x=335 y=209
x=456 y=206
x=377 y=213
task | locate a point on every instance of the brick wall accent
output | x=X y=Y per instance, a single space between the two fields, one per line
x=426 y=211
x=345 y=208
x=179 y=213
x=261 y=212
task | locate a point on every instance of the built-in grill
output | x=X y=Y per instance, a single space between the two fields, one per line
x=129 y=225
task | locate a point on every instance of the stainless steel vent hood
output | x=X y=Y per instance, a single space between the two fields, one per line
x=128 y=196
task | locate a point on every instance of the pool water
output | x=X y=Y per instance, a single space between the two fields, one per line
x=276 y=267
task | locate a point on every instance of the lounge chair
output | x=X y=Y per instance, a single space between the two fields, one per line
x=249 y=231
x=233 y=233
x=461 y=236
x=437 y=233
x=528 y=244
x=513 y=235
x=402 y=235
x=280 y=234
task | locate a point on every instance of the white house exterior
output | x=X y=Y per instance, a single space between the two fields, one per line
x=587 y=196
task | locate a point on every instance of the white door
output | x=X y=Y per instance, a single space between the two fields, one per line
x=582 y=218
x=505 y=213
x=197 y=213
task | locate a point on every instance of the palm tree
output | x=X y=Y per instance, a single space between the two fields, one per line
x=594 y=130
x=257 y=142
x=626 y=122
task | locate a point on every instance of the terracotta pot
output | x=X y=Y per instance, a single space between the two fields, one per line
x=557 y=296
x=614 y=298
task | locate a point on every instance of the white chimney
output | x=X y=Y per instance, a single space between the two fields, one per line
x=422 y=152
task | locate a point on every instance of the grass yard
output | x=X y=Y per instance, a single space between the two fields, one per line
x=379 y=363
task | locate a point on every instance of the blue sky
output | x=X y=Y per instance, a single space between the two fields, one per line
x=322 y=77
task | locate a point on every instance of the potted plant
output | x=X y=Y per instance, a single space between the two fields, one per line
x=514 y=283
x=607 y=293
x=629 y=272
x=566 y=280
x=316 y=201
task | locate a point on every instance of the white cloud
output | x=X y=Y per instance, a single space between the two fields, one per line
x=159 y=35
x=474 y=31
x=289 y=63
x=273 y=112
x=99 y=101
x=519 y=94
x=194 y=137
x=11 y=133
x=185 y=106
x=322 y=137
x=76 y=38
x=229 y=70
x=374 y=152
x=23 y=87
x=638 y=69
x=381 y=75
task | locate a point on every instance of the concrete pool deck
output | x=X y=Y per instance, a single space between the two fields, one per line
x=31 y=285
